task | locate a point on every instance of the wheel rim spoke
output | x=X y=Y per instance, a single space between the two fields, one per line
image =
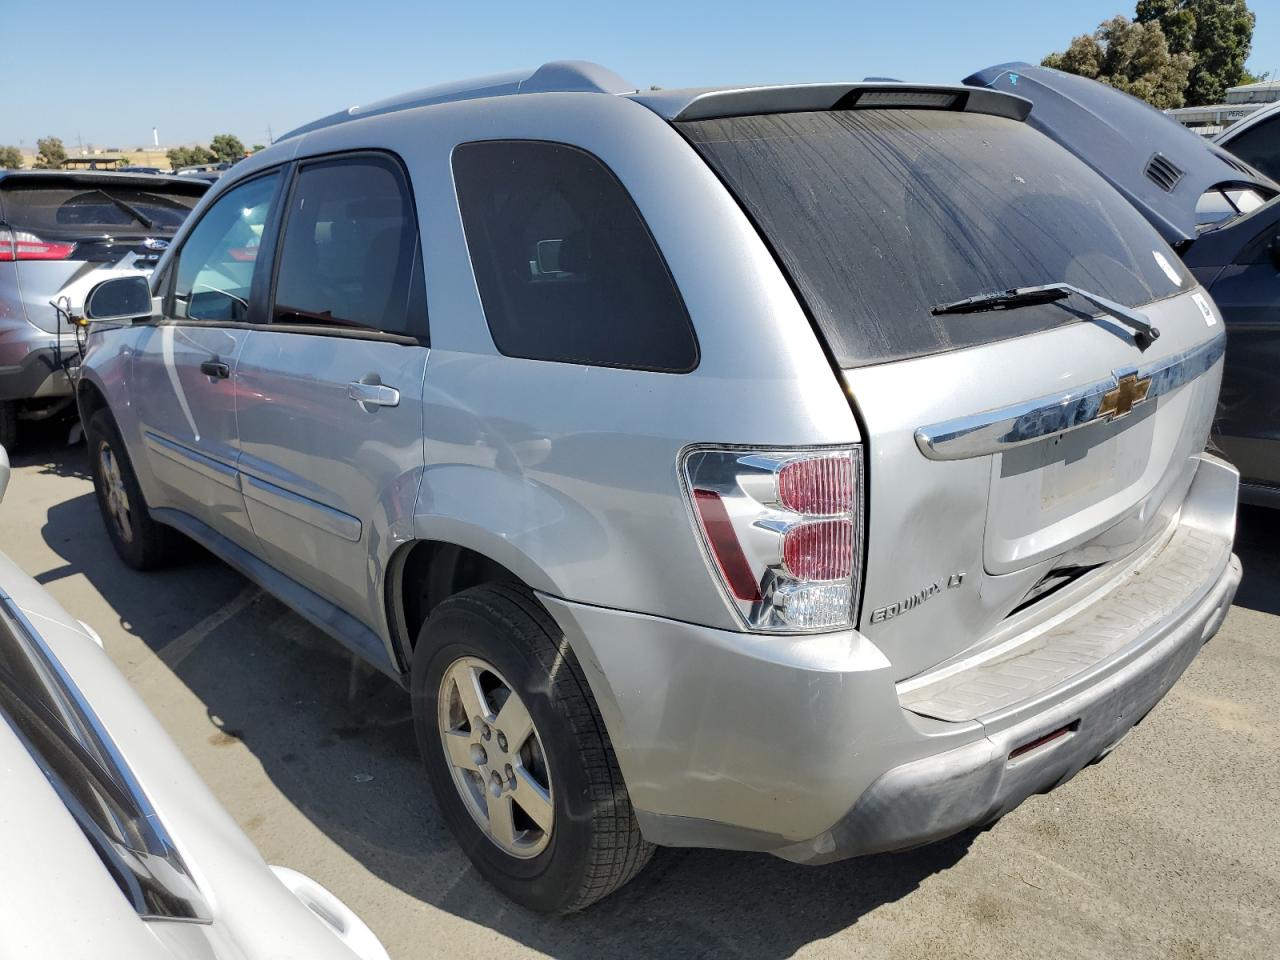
x=533 y=799
x=472 y=694
x=514 y=722
x=502 y=824
x=458 y=746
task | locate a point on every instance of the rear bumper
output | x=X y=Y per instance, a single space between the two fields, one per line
x=806 y=748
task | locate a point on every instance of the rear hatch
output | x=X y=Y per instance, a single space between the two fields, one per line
x=1010 y=450
x=61 y=234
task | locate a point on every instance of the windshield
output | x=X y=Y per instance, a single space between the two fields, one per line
x=881 y=215
x=79 y=210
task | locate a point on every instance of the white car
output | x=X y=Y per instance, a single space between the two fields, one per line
x=113 y=846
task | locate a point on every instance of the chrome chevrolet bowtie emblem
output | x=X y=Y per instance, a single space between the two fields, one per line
x=1128 y=393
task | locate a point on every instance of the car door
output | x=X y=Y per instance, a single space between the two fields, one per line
x=329 y=392
x=184 y=363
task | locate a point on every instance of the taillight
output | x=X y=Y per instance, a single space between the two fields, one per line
x=21 y=245
x=782 y=529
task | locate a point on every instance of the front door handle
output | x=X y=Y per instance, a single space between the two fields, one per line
x=216 y=369
x=373 y=394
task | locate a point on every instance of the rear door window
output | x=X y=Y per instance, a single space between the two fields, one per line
x=880 y=215
x=566 y=267
x=214 y=273
x=350 y=255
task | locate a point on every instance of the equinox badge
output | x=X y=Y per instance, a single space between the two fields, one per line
x=881 y=614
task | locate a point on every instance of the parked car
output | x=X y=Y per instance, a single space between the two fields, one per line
x=1221 y=215
x=113 y=845
x=1255 y=139
x=60 y=233
x=806 y=469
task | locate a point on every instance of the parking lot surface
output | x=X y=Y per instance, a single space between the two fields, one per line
x=1169 y=848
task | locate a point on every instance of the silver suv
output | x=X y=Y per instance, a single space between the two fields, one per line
x=812 y=469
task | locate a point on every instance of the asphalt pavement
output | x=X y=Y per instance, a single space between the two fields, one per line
x=1170 y=848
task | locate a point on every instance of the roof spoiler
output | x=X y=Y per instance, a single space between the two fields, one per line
x=676 y=105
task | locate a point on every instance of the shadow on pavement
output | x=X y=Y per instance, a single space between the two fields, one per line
x=1258 y=545
x=336 y=738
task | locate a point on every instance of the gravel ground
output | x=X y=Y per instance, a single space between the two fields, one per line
x=1170 y=848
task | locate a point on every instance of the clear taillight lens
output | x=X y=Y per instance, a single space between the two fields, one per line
x=782 y=529
x=21 y=245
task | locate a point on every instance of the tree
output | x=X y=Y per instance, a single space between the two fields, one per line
x=10 y=158
x=227 y=147
x=1217 y=33
x=189 y=156
x=49 y=153
x=1130 y=56
x=258 y=146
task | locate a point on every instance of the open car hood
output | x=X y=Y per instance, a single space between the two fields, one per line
x=1160 y=166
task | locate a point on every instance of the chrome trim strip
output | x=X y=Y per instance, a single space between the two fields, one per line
x=1018 y=424
x=206 y=466
x=302 y=508
x=83 y=722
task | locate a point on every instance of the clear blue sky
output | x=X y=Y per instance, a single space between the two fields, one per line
x=237 y=65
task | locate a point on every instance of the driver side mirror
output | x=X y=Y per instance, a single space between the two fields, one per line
x=120 y=299
x=4 y=471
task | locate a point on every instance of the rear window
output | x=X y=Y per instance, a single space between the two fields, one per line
x=880 y=215
x=87 y=209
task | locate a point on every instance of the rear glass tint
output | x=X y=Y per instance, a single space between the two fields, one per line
x=880 y=215
x=566 y=267
x=52 y=210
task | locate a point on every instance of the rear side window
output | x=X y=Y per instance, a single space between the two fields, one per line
x=1259 y=146
x=216 y=263
x=880 y=215
x=350 y=252
x=566 y=267
x=63 y=210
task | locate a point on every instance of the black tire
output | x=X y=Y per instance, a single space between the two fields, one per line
x=140 y=541
x=595 y=845
x=8 y=424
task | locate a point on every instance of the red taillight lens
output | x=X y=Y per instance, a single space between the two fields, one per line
x=724 y=544
x=819 y=551
x=21 y=245
x=817 y=486
x=781 y=529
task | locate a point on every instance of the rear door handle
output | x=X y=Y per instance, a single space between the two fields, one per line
x=373 y=394
x=216 y=369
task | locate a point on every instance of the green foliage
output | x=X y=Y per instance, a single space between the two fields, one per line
x=1217 y=33
x=10 y=158
x=258 y=146
x=227 y=147
x=1130 y=56
x=49 y=153
x=189 y=156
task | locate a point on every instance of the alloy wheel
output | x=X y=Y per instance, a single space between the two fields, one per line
x=117 y=497
x=496 y=757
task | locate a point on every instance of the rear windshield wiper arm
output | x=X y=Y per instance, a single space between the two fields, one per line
x=128 y=208
x=1144 y=333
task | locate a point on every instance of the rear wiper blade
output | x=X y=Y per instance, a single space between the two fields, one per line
x=128 y=208
x=1144 y=333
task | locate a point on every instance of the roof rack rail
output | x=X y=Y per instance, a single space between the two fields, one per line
x=558 y=76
